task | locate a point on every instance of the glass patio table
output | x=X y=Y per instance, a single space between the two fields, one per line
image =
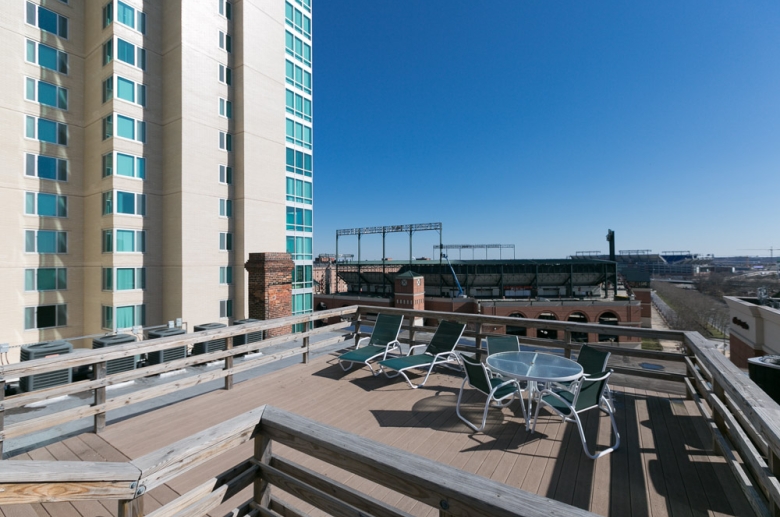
x=534 y=367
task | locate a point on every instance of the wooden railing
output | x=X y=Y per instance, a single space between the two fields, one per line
x=744 y=421
x=452 y=491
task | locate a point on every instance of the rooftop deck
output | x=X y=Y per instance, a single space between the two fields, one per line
x=664 y=466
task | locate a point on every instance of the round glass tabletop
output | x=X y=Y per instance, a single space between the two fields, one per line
x=535 y=366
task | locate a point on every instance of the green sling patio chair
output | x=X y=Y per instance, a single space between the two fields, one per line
x=593 y=361
x=587 y=394
x=498 y=344
x=383 y=339
x=498 y=390
x=440 y=350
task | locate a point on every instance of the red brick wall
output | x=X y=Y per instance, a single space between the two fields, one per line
x=270 y=288
x=740 y=352
x=643 y=295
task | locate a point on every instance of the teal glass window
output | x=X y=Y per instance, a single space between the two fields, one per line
x=297 y=48
x=127 y=241
x=226 y=9
x=130 y=278
x=301 y=303
x=297 y=20
x=225 y=42
x=125 y=14
x=302 y=277
x=125 y=127
x=108 y=51
x=108 y=14
x=226 y=308
x=46 y=167
x=299 y=162
x=226 y=174
x=128 y=316
x=108 y=89
x=107 y=317
x=46 y=93
x=225 y=108
x=225 y=75
x=299 y=191
x=225 y=241
x=125 y=89
x=47 y=20
x=298 y=134
x=47 y=57
x=45 y=241
x=299 y=219
x=298 y=105
x=46 y=130
x=46 y=205
x=225 y=208
x=126 y=165
x=226 y=274
x=299 y=248
x=225 y=141
x=45 y=279
x=108 y=279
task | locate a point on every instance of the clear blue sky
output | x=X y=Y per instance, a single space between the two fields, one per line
x=545 y=123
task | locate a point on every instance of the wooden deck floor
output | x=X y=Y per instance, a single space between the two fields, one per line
x=662 y=467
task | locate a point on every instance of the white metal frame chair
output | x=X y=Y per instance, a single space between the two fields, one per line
x=498 y=390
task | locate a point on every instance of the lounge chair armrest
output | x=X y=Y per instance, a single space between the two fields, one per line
x=411 y=348
x=597 y=376
x=361 y=340
x=510 y=381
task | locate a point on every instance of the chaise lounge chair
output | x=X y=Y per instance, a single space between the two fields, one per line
x=383 y=339
x=440 y=350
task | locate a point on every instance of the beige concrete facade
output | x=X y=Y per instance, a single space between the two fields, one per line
x=181 y=153
x=754 y=330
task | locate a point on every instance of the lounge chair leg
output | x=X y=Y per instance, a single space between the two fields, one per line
x=346 y=369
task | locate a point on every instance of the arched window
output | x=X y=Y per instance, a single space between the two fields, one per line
x=547 y=333
x=512 y=330
x=608 y=318
x=578 y=317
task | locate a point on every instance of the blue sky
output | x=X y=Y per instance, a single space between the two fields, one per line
x=543 y=124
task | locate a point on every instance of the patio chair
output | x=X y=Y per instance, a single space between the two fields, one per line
x=383 y=339
x=587 y=394
x=593 y=361
x=498 y=344
x=498 y=390
x=440 y=350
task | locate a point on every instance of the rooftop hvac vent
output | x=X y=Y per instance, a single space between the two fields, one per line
x=170 y=354
x=209 y=346
x=251 y=337
x=116 y=365
x=41 y=351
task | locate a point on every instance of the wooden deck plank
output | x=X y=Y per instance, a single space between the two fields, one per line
x=549 y=462
x=55 y=509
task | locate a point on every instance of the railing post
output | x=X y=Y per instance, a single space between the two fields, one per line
x=262 y=496
x=356 y=322
x=305 y=342
x=99 y=373
x=774 y=467
x=478 y=340
x=717 y=391
x=229 y=364
x=2 y=415
x=567 y=347
x=131 y=507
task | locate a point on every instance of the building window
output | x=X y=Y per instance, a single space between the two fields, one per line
x=130 y=17
x=302 y=277
x=225 y=42
x=46 y=279
x=306 y=4
x=298 y=77
x=45 y=241
x=126 y=90
x=297 y=48
x=226 y=9
x=126 y=317
x=298 y=134
x=125 y=165
x=225 y=108
x=126 y=127
x=127 y=203
x=129 y=278
x=225 y=75
x=46 y=167
x=298 y=105
x=226 y=275
x=47 y=57
x=225 y=208
x=126 y=52
x=108 y=14
x=47 y=20
x=46 y=93
x=297 y=20
x=46 y=130
x=299 y=219
x=299 y=248
x=226 y=308
x=45 y=205
x=226 y=174
x=225 y=241
x=127 y=241
x=225 y=141
x=299 y=163
x=301 y=303
x=299 y=191
x=45 y=316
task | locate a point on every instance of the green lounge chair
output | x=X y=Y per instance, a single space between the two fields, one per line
x=440 y=350
x=383 y=339
x=588 y=393
x=498 y=390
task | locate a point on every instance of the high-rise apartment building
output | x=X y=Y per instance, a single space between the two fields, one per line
x=148 y=148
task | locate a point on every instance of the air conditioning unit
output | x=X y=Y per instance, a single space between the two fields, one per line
x=252 y=337
x=170 y=354
x=50 y=379
x=116 y=365
x=209 y=346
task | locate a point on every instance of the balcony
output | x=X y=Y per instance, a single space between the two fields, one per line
x=697 y=436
